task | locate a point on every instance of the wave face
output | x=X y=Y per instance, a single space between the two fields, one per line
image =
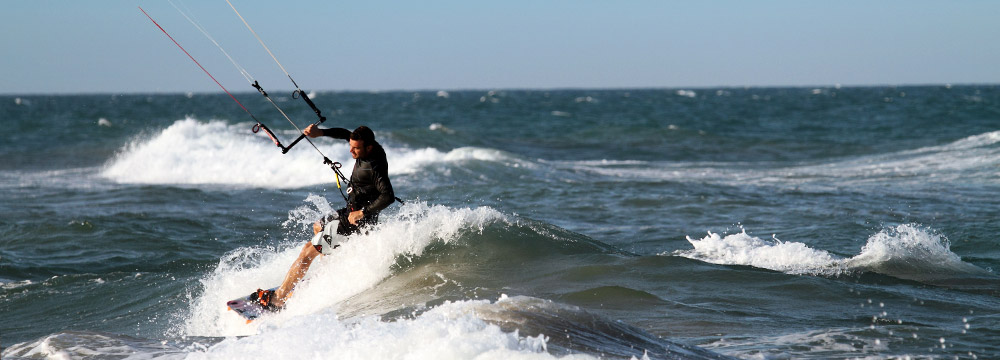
x=761 y=223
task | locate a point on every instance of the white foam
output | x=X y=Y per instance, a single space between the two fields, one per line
x=13 y=285
x=905 y=251
x=449 y=331
x=440 y=127
x=687 y=93
x=358 y=265
x=413 y=160
x=774 y=254
x=190 y=152
x=973 y=157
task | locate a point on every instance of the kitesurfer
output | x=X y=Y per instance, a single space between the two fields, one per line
x=369 y=193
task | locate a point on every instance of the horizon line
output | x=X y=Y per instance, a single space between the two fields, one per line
x=487 y=89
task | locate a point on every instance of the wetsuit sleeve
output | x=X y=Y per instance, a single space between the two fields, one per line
x=337 y=133
x=386 y=196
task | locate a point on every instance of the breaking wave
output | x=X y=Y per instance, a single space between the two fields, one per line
x=905 y=251
x=191 y=152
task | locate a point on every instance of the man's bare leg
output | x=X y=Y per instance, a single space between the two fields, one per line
x=297 y=271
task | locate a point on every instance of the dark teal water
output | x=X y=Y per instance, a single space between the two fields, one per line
x=704 y=223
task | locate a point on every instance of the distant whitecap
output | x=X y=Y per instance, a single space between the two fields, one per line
x=440 y=127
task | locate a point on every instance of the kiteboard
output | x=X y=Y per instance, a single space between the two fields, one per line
x=249 y=309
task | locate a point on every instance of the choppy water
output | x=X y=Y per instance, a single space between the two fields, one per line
x=704 y=223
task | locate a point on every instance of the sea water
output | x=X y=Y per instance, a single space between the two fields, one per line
x=831 y=222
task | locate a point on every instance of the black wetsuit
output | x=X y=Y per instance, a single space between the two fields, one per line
x=370 y=189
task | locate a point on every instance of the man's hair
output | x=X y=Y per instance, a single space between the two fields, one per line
x=364 y=134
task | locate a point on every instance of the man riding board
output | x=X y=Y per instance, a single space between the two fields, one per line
x=369 y=192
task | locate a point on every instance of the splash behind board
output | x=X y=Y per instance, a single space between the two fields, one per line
x=246 y=308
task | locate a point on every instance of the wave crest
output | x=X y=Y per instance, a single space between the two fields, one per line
x=910 y=252
x=905 y=251
x=774 y=254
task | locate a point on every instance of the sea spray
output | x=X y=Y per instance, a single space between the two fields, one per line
x=912 y=252
x=359 y=264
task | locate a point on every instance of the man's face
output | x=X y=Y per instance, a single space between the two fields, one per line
x=358 y=149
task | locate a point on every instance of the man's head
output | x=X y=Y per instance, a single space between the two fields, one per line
x=362 y=141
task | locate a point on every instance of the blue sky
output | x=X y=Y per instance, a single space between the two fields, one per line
x=111 y=47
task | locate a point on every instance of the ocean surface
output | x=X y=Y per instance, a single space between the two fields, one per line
x=756 y=223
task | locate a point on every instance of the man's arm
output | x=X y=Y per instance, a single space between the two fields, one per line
x=336 y=133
